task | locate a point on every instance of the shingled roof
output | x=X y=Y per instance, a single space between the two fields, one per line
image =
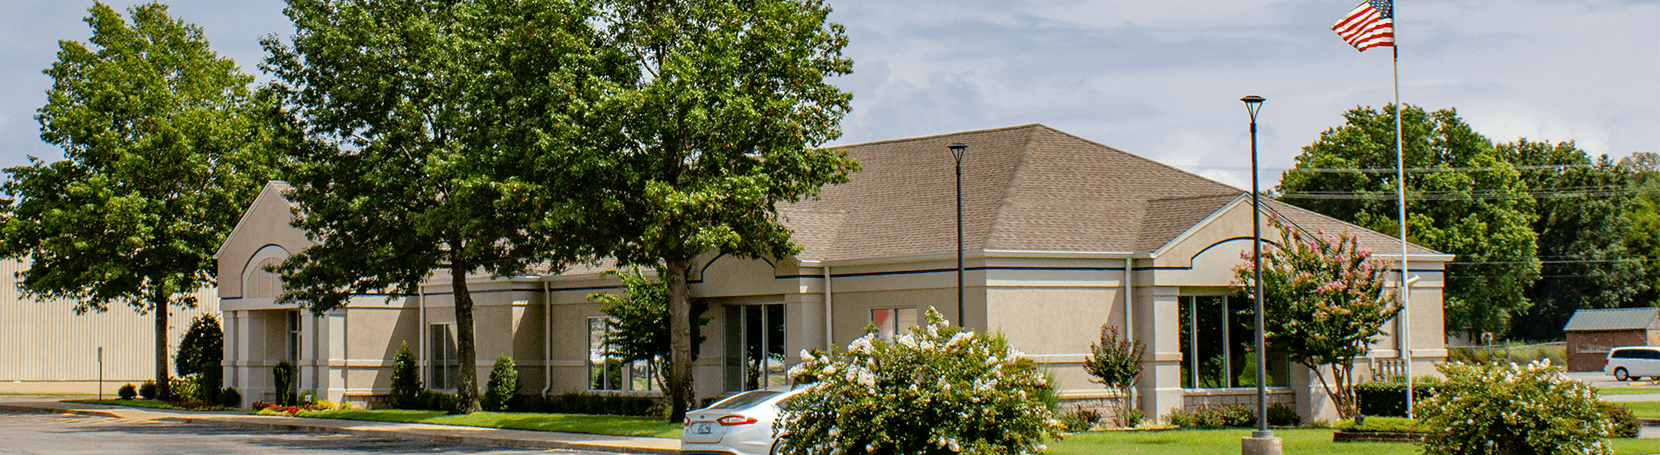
x=1024 y=188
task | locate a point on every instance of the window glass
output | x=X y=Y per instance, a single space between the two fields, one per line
x=746 y=399
x=606 y=371
x=892 y=321
x=444 y=367
x=1218 y=343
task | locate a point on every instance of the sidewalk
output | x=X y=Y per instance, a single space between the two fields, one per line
x=410 y=431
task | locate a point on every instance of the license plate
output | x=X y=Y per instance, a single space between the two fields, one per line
x=703 y=428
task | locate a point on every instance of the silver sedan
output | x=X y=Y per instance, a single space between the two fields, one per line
x=738 y=425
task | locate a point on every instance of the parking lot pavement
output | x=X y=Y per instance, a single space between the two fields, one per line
x=41 y=433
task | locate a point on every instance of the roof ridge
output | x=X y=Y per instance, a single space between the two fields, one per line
x=1004 y=205
x=1150 y=160
x=1202 y=196
x=937 y=136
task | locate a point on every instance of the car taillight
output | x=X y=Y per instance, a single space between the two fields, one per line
x=735 y=420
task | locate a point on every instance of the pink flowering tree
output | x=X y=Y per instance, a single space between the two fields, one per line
x=1325 y=302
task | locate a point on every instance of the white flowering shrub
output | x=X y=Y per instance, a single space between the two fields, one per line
x=935 y=389
x=1513 y=410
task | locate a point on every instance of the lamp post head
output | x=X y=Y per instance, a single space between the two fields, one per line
x=1253 y=104
x=957 y=151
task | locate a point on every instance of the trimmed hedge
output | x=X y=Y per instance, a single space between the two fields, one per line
x=588 y=403
x=1388 y=398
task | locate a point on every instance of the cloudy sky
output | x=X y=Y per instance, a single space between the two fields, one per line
x=1160 y=79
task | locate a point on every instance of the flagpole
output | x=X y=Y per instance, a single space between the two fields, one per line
x=1404 y=328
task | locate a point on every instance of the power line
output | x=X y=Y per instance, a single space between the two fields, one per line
x=1390 y=170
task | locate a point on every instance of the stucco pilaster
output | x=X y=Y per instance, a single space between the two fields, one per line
x=1156 y=312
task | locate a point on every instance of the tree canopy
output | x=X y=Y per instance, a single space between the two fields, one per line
x=436 y=133
x=162 y=150
x=723 y=122
x=1463 y=198
x=1582 y=229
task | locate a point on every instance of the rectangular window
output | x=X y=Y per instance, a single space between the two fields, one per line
x=1218 y=339
x=292 y=344
x=892 y=321
x=607 y=372
x=755 y=347
x=445 y=368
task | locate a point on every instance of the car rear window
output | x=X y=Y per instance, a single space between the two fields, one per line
x=746 y=399
x=1635 y=354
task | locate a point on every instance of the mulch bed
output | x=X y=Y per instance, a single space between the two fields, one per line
x=1376 y=436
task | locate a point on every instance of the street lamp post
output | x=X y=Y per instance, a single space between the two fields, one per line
x=957 y=150
x=1262 y=441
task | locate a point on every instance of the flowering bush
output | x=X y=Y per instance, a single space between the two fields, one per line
x=932 y=390
x=274 y=409
x=1511 y=409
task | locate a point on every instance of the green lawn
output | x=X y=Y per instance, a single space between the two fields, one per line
x=1639 y=390
x=1648 y=409
x=1195 y=442
x=573 y=423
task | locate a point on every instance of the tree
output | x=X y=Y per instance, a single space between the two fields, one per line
x=1582 y=229
x=722 y=123
x=200 y=354
x=1324 y=301
x=1642 y=242
x=1462 y=199
x=436 y=136
x=935 y=389
x=1115 y=363
x=161 y=153
x=639 y=324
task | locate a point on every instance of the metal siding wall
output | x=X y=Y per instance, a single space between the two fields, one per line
x=47 y=341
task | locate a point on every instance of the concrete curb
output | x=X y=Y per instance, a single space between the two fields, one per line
x=501 y=437
x=46 y=410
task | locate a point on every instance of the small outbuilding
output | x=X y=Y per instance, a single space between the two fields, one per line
x=1591 y=333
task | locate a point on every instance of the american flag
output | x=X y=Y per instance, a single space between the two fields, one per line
x=1372 y=24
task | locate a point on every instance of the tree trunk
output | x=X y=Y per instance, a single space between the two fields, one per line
x=467 y=390
x=164 y=383
x=680 y=338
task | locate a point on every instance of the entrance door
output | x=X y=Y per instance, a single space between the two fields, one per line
x=755 y=347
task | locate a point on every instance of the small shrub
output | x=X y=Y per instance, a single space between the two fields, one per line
x=1080 y=419
x=406 y=379
x=439 y=401
x=932 y=389
x=1383 y=424
x=1513 y=409
x=230 y=398
x=1625 y=422
x=503 y=385
x=127 y=392
x=1280 y=415
x=186 y=389
x=147 y=390
x=1388 y=398
x=1211 y=417
x=1129 y=417
x=283 y=374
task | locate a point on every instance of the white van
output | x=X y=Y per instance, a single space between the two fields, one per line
x=1632 y=362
